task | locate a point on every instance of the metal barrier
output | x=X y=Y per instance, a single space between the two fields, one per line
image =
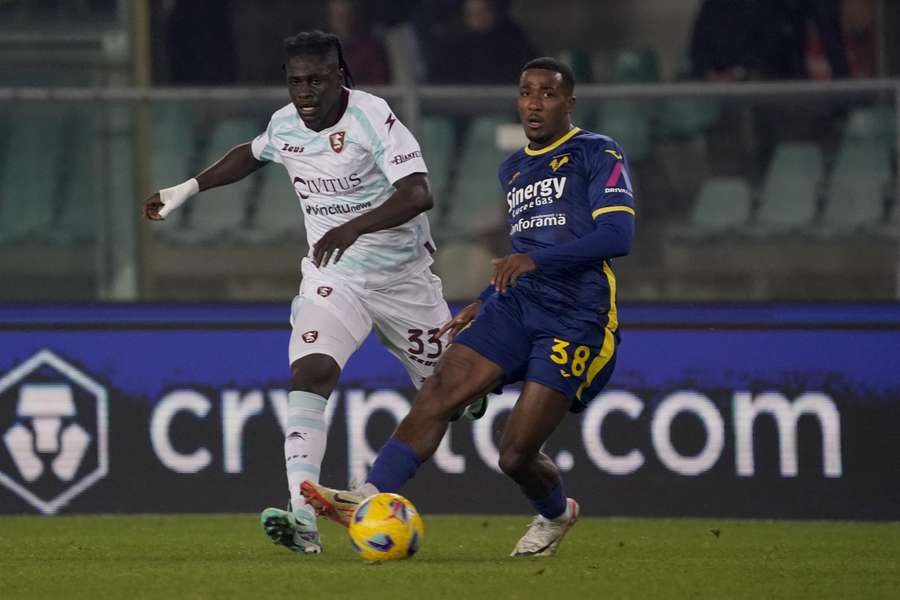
x=122 y=262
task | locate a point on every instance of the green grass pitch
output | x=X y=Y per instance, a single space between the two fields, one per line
x=464 y=558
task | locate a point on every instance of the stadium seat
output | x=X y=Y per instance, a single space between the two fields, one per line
x=580 y=61
x=854 y=199
x=172 y=156
x=81 y=189
x=401 y=44
x=465 y=268
x=173 y=142
x=438 y=148
x=875 y=123
x=787 y=204
x=636 y=66
x=863 y=159
x=789 y=196
x=476 y=203
x=891 y=227
x=796 y=159
x=629 y=123
x=28 y=187
x=687 y=117
x=220 y=212
x=723 y=205
x=278 y=214
x=852 y=204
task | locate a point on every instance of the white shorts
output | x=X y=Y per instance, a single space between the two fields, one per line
x=333 y=316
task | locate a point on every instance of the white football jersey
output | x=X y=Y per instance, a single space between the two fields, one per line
x=349 y=169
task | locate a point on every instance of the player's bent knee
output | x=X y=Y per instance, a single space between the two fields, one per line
x=315 y=373
x=463 y=375
x=442 y=396
x=513 y=461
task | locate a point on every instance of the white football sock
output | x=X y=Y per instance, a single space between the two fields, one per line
x=367 y=489
x=566 y=515
x=304 y=443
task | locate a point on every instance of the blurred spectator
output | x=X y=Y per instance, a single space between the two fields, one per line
x=200 y=46
x=764 y=39
x=365 y=53
x=488 y=48
x=259 y=29
x=860 y=37
x=816 y=20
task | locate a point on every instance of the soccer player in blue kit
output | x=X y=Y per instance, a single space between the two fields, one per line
x=548 y=318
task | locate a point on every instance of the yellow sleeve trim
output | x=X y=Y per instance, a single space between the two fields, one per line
x=609 y=209
x=554 y=145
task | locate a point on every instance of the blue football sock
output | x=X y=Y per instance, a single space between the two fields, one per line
x=553 y=505
x=395 y=464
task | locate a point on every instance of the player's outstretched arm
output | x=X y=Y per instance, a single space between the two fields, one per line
x=234 y=166
x=413 y=196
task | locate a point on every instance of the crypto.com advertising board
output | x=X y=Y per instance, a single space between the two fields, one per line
x=714 y=410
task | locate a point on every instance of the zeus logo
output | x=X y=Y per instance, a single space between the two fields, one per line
x=390 y=122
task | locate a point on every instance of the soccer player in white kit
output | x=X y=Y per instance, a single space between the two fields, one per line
x=361 y=180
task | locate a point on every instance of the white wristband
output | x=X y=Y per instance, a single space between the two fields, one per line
x=174 y=197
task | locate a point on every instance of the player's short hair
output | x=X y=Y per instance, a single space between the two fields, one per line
x=318 y=43
x=551 y=64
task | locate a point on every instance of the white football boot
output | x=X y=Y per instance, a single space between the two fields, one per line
x=544 y=535
x=336 y=505
x=296 y=531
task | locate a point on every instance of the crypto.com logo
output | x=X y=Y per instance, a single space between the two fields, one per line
x=53 y=431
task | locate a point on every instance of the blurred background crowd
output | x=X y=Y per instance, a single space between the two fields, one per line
x=750 y=184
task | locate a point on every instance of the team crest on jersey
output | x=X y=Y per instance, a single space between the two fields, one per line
x=558 y=162
x=324 y=291
x=310 y=336
x=337 y=141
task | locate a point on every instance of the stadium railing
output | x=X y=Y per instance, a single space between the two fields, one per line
x=70 y=227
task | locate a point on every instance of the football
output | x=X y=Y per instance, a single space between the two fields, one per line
x=386 y=527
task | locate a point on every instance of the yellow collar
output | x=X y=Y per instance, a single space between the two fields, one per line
x=554 y=145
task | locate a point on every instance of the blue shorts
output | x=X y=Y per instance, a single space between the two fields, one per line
x=572 y=354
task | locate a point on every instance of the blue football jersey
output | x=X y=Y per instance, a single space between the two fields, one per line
x=555 y=195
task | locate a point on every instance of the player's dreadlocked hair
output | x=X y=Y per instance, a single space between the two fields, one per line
x=318 y=43
x=551 y=64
